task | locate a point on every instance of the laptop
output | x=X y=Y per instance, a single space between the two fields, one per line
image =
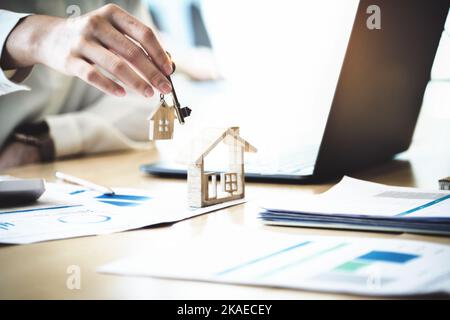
x=377 y=99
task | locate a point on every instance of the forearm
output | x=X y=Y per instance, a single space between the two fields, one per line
x=88 y=133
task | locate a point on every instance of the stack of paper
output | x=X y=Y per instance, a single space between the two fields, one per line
x=357 y=204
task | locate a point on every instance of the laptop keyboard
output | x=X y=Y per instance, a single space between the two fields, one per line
x=297 y=163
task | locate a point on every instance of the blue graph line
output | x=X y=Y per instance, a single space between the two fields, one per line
x=77 y=191
x=5 y=225
x=426 y=205
x=39 y=209
x=246 y=264
x=301 y=260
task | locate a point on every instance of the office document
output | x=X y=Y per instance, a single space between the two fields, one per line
x=366 y=266
x=66 y=211
x=357 y=204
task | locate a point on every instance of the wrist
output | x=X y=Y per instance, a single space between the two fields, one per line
x=40 y=40
x=37 y=135
x=24 y=45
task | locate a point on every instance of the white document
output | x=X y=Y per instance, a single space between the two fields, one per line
x=65 y=211
x=337 y=264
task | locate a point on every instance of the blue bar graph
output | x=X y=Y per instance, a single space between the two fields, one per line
x=123 y=200
x=121 y=203
x=388 y=256
x=123 y=197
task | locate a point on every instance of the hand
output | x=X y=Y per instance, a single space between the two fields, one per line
x=17 y=154
x=108 y=38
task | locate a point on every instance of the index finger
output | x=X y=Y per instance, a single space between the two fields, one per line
x=138 y=31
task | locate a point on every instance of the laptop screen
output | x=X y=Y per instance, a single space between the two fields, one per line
x=280 y=61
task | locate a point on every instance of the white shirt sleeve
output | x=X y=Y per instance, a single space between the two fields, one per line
x=110 y=124
x=9 y=20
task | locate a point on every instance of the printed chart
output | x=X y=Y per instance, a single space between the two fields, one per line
x=339 y=264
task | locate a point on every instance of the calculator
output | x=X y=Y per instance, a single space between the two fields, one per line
x=20 y=191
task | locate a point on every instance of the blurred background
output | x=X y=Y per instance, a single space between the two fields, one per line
x=271 y=67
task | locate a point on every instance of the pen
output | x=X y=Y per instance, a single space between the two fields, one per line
x=83 y=183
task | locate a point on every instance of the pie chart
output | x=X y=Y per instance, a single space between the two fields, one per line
x=84 y=219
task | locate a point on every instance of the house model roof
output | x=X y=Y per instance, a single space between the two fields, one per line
x=210 y=138
x=157 y=109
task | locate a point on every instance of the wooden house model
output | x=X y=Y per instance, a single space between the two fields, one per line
x=203 y=186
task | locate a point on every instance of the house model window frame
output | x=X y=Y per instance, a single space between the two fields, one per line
x=164 y=125
x=162 y=122
x=232 y=180
x=229 y=181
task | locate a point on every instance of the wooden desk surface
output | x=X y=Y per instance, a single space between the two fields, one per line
x=38 y=271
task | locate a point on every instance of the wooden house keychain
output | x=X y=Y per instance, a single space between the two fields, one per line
x=162 y=118
x=162 y=121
